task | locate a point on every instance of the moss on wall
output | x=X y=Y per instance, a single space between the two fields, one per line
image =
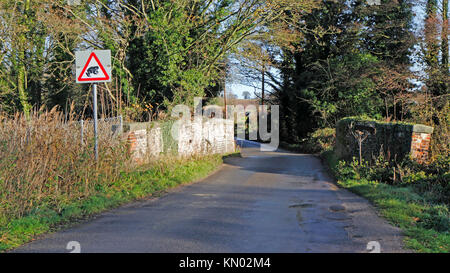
x=170 y=145
x=393 y=140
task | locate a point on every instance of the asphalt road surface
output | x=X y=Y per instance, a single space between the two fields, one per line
x=262 y=202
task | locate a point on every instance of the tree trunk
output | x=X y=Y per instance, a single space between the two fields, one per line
x=387 y=107
x=432 y=47
x=22 y=87
x=22 y=73
x=444 y=45
x=263 y=72
x=395 y=108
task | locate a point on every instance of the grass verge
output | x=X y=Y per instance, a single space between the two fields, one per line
x=147 y=181
x=424 y=223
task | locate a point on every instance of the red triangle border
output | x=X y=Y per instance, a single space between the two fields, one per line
x=106 y=78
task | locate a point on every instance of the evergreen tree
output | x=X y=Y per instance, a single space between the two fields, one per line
x=336 y=66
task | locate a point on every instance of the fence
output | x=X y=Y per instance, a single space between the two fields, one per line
x=107 y=128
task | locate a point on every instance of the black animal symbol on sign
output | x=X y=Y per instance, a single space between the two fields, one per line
x=92 y=70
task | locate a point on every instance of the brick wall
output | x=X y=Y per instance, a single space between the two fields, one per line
x=394 y=140
x=213 y=136
x=420 y=146
x=137 y=141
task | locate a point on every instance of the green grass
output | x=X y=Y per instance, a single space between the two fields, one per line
x=145 y=182
x=425 y=224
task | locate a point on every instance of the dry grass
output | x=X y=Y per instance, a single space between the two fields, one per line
x=44 y=163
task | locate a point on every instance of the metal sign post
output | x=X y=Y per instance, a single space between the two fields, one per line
x=93 y=67
x=94 y=100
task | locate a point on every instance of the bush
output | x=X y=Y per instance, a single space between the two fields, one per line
x=316 y=142
x=323 y=139
x=431 y=180
x=411 y=196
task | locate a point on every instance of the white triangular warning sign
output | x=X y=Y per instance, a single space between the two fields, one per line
x=93 y=70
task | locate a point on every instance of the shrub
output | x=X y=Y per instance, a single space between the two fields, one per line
x=431 y=180
x=417 y=202
x=323 y=138
x=316 y=142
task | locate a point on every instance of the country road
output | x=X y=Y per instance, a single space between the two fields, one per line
x=262 y=202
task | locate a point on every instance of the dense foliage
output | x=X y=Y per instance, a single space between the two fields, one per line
x=345 y=69
x=164 y=52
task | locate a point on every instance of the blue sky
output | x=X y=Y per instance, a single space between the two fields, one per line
x=238 y=89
